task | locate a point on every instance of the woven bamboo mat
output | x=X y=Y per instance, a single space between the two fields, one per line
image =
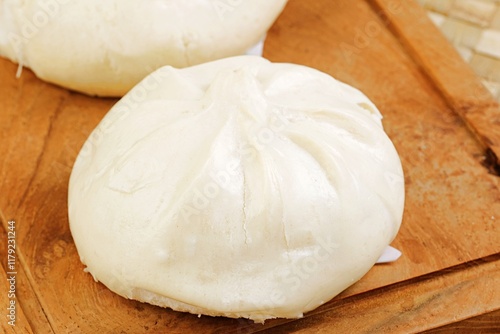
x=473 y=27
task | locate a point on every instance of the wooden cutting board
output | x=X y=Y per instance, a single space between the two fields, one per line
x=442 y=121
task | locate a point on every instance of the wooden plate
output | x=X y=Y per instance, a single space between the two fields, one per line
x=441 y=120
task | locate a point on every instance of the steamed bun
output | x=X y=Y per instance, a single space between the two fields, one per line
x=106 y=47
x=238 y=188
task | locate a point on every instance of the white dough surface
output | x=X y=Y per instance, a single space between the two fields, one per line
x=239 y=188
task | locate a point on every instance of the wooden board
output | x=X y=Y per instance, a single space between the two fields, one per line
x=442 y=121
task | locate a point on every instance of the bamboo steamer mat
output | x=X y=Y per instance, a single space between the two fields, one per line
x=473 y=27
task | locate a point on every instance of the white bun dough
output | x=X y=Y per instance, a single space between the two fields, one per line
x=238 y=188
x=106 y=47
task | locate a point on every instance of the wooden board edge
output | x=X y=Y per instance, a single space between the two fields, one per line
x=453 y=78
x=427 y=303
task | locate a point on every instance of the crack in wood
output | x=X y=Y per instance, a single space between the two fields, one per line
x=491 y=162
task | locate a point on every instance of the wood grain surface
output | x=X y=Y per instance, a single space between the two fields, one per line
x=442 y=122
x=488 y=323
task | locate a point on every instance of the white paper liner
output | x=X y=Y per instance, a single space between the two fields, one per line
x=390 y=254
x=257 y=49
